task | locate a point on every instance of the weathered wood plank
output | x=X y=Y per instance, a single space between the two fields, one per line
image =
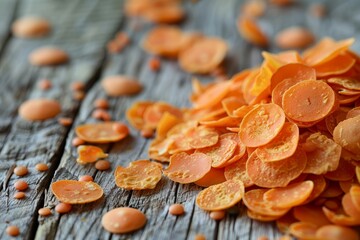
x=82 y=29
x=7 y=12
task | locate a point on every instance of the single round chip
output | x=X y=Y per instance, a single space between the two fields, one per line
x=311 y=214
x=188 y=168
x=308 y=101
x=102 y=132
x=237 y=170
x=139 y=175
x=303 y=230
x=135 y=113
x=214 y=176
x=252 y=33
x=278 y=173
x=76 y=192
x=203 y=56
x=165 y=41
x=89 y=154
x=282 y=146
x=220 y=196
x=347 y=134
x=123 y=220
x=292 y=195
x=334 y=232
x=325 y=157
x=261 y=125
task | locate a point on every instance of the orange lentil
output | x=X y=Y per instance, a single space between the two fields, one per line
x=39 y=109
x=21 y=185
x=78 y=95
x=102 y=165
x=65 y=121
x=120 y=85
x=31 y=27
x=44 y=211
x=101 y=103
x=217 y=215
x=199 y=237
x=154 y=64
x=19 y=195
x=12 y=231
x=123 y=220
x=77 y=86
x=45 y=84
x=77 y=141
x=46 y=56
x=86 y=178
x=176 y=209
x=63 y=208
x=101 y=114
x=147 y=133
x=21 y=171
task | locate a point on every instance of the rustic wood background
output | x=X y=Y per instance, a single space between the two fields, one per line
x=83 y=28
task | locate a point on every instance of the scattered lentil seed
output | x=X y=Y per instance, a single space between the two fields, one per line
x=217 y=215
x=200 y=237
x=86 y=178
x=44 y=211
x=45 y=84
x=19 y=195
x=147 y=133
x=78 y=95
x=102 y=165
x=154 y=64
x=21 y=185
x=21 y=171
x=77 y=86
x=12 y=231
x=77 y=142
x=65 y=121
x=176 y=209
x=101 y=103
x=41 y=167
x=63 y=208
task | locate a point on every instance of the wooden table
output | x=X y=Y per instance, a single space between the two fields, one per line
x=83 y=28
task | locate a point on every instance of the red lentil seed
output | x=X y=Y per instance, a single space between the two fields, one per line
x=78 y=95
x=12 y=231
x=77 y=86
x=31 y=27
x=21 y=171
x=41 y=167
x=65 y=121
x=46 y=56
x=21 y=185
x=217 y=215
x=63 y=208
x=200 y=237
x=77 y=142
x=147 y=133
x=44 y=212
x=176 y=209
x=101 y=103
x=102 y=165
x=19 y=195
x=45 y=84
x=86 y=178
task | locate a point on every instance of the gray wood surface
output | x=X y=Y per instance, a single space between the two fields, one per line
x=83 y=28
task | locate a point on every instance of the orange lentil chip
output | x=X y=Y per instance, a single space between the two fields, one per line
x=21 y=185
x=139 y=175
x=214 y=176
x=217 y=215
x=102 y=165
x=123 y=220
x=101 y=103
x=311 y=214
x=345 y=137
x=294 y=37
x=278 y=173
x=308 y=101
x=220 y=196
x=45 y=84
x=176 y=209
x=12 y=231
x=65 y=121
x=187 y=168
x=44 y=212
x=89 y=154
x=20 y=171
x=102 y=132
x=19 y=195
x=76 y=192
x=203 y=56
x=41 y=167
x=335 y=232
x=261 y=125
x=77 y=142
x=289 y=196
x=63 y=208
x=303 y=230
x=86 y=178
x=237 y=170
x=249 y=30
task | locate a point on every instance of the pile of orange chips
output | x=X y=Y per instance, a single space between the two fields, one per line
x=284 y=137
